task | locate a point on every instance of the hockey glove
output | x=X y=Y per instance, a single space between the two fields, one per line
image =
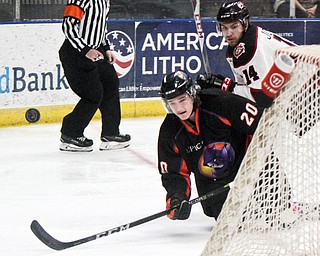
x=182 y=212
x=206 y=81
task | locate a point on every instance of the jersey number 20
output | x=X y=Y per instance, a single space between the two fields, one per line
x=248 y=116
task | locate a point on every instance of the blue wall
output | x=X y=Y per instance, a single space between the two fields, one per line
x=162 y=46
x=148 y=49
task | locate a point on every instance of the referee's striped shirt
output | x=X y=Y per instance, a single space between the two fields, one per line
x=85 y=24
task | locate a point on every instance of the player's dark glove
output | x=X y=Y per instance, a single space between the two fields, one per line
x=206 y=81
x=182 y=212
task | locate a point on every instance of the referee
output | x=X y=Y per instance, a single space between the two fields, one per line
x=88 y=66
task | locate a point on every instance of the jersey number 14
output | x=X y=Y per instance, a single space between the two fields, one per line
x=250 y=74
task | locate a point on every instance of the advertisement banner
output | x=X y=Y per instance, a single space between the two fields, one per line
x=31 y=73
x=166 y=46
x=293 y=30
x=122 y=39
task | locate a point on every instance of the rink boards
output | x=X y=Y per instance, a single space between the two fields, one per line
x=31 y=75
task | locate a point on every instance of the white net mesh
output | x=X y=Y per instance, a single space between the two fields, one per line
x=274 y=206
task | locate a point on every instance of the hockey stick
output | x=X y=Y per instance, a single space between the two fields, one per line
x=55 y=244
x=196 y=15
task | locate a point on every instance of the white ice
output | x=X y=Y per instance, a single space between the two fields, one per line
x=75 y=195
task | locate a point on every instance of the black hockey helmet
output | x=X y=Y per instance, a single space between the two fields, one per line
x=174 y=84
x=233 y=11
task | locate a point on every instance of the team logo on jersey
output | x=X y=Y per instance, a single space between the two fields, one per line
x=123 y=48
x=215 y=159
x=239 y=50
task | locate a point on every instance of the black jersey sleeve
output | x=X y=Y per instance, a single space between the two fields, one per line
x=242 y=114
x=175 y=175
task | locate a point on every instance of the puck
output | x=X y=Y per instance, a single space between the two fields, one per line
x=32 y=115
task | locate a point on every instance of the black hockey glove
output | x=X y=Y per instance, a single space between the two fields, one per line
x=206 y=81
x=182 y=212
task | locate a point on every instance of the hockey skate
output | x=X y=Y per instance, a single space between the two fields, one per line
x=79 y=144
x=115 y=142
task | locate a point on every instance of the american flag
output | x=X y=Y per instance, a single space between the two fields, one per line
x=123 y=48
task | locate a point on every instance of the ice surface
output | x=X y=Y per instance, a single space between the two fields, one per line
x=74 y=195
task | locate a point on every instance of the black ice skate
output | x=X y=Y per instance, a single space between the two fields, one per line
x=115 y=142
x=79 y=144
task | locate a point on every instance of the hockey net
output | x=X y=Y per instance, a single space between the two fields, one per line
x=274 y=206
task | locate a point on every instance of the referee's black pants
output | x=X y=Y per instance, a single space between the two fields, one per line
x=97 y=85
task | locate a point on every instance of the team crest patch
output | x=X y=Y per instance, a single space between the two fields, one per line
x=216 y=159
x=239 y=50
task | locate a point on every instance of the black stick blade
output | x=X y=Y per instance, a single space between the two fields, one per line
x=47 y=239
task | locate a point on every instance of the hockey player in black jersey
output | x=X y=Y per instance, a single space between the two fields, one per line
x=204 y=133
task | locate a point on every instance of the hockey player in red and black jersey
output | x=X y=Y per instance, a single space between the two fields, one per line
x=204 y=133
x=250 y=53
